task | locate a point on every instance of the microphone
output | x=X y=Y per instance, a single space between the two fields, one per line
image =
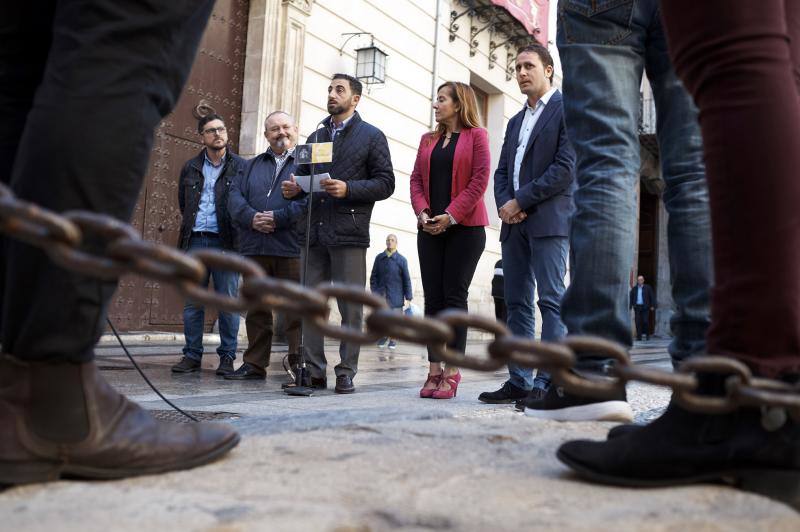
x=302 y=378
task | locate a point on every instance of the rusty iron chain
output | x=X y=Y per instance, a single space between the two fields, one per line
x=101 y=246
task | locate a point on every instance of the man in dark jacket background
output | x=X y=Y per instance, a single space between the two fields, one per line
x=391 y=280
x=361 y=173
x=642 y=301
x=266 y=226
x=203 y=198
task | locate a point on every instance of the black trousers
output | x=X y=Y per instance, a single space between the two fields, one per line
x=500 y=310
x=642 y=316
x=83 y=84
x=447 y=263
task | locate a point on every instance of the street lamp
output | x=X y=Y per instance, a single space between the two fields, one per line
x=371 y=65
x=370 y=61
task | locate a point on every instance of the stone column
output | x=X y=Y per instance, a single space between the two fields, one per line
x=273 y=68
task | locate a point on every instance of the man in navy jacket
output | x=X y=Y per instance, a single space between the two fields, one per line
x=361 y=173
x=390 y=279
x=533 y=187
x=266 y=224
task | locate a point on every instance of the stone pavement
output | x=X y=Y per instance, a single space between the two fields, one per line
x=381 y=459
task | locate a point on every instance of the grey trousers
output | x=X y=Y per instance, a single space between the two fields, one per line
x=339 y=265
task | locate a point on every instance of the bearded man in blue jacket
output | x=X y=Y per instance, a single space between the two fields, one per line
x=267 y=235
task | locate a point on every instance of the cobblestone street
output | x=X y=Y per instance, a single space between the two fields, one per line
x=380 y=459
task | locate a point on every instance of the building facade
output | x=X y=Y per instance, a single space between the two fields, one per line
x=258 y=56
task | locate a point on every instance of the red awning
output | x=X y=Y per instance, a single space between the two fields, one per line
x=531 y=13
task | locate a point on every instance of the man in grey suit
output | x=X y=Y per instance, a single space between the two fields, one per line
x=533 y=187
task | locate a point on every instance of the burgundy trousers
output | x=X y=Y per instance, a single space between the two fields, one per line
x=739 y=59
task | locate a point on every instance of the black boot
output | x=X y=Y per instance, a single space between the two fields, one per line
x=63 y=419
x=683 y=447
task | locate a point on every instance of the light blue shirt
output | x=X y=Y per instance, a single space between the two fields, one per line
x=639 y=297
x=206 y=219
x=336 y=129
x=532 y=115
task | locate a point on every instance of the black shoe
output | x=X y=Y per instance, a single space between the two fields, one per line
x=186 y=365
x=344 y=384
x=536 y=394
x=247 y=372
x=683 y=447
x=559 y=405
x=508 y=393
x=225 y=366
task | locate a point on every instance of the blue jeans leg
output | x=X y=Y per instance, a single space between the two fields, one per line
x=604 y=51
x=519 y=285
x=194 y=314
x=227 y=283
x=686 y=200
x=549 y=260
x=193 y=318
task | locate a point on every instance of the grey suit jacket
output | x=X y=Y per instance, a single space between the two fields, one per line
x=547 y=173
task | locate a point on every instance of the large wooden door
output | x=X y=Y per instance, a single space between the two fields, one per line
x=648 y=243
x=214 y=85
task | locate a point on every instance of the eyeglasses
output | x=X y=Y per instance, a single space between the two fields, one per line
x=214 y=130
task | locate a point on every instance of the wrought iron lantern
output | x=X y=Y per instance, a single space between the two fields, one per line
x=371 y=65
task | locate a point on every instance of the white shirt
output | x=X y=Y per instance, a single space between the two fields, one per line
x=532 y=115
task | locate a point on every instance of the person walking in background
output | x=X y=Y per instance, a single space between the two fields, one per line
x=450 y=176
x=203 y=188
x=642 y=301
x=498 y=287
x=533 y=187
x=361 y=173
x=266 y=222
x=390 y=279
x=604 y=52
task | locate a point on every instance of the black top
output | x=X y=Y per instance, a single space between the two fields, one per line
x=441 y=177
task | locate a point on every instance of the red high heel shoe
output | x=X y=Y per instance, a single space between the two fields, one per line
x=453 y=381
x=427 y=393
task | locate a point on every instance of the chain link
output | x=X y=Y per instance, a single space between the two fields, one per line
x=101 y=246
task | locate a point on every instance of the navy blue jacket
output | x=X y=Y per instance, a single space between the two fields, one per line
x=254 y=191
x=190 y=188
x=361 y=158
x=390 y=279
x=648 y=297
x=547 y=173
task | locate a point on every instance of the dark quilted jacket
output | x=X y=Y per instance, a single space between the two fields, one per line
x=360 y=157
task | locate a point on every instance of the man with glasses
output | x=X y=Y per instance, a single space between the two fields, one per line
x=203 y=197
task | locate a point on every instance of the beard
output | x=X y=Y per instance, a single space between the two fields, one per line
x=336 y=109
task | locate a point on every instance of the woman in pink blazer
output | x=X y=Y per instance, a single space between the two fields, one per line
x=450 y=177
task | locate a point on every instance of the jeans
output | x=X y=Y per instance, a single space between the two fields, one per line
x=604 y=51
x=84 y=83
x=533 y=263
x=741 y=62
x=226 y=283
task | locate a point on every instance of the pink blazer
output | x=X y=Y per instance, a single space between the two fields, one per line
x=470 y=176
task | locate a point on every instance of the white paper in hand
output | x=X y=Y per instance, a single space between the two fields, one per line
x=303 y=181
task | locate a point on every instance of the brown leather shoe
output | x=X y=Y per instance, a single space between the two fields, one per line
x=64 y=419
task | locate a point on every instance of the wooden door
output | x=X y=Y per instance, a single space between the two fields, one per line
x=214 y=85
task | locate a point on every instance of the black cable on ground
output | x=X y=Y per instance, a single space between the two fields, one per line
x=135 y=365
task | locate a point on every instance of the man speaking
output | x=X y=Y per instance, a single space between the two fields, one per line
x=360 y=174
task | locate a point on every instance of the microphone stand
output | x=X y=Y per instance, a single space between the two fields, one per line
x=302 y=382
